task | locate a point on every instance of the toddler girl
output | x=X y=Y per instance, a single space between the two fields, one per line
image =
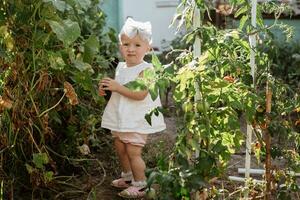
x=125 y=112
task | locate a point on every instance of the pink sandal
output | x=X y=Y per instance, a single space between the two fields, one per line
x=133 y=192
x=120 y=183
x=123 y=182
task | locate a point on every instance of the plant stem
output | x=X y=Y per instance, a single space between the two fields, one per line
x=31 y=136
x=205 y=111
x=44 y=112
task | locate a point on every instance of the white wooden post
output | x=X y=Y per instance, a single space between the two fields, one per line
x=252 y=40
x=197 y=24
x=197 y=54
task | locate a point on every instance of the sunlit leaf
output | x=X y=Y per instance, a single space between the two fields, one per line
x=136 y=85
x=156 y=63
x=240 y=11
x=243 y=21
x=149 y=74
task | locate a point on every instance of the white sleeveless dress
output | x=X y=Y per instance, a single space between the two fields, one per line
x=123 y=114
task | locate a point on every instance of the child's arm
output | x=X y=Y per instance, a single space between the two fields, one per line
x=114 y=86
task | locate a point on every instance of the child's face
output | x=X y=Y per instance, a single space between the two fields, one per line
x=133 y=50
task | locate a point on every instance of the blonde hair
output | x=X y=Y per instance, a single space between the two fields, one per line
x=132 y=28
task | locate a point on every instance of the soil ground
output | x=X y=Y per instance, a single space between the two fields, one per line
x=163 y=143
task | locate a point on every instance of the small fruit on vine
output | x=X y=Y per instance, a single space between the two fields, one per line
x=201 y=107
x=187 y=106
x=260 y=109
x=151 y=194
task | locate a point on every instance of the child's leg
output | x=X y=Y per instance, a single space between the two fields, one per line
x=137 y=164
x=122 y=155
x=126 y=175
x=136 y=161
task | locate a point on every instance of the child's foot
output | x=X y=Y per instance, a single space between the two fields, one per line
x=137 y=190
x=133 y=192
x=123 y=182
x=120 y=183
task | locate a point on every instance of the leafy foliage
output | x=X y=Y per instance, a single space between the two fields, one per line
x=52 y=54
x=211 y=93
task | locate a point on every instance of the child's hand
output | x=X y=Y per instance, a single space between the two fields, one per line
x=109 y=84
x=101 y=91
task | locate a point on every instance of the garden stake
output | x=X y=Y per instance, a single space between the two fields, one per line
x=197 y=54
x=268 y=142
x=252 y=41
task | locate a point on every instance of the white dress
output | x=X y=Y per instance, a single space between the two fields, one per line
x=123 y=114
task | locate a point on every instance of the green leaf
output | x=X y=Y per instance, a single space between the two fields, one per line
x=219 y=83
x=91 y=48
x=82 y=66
x=153 y=90
x=84 y=80
x=29 y=168
x=179 y=95
x=149 y=74
x=136 y=85
x=84 y=4
x=163 y=84
x=148 y=118
x=156 y=63
x=152 y=177
x=156 y=112
x=56 y=61
x=48 y=176
x=59 y=5
x=241 y=10
x=39 y=159
x=243 y=21
x=67 y=31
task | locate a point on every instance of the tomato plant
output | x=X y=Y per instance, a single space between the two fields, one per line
x=210 y=124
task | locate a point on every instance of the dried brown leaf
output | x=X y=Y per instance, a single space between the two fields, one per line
x=5 y=103
x=70 y=93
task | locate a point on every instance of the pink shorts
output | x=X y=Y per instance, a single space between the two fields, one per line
x=137 y=139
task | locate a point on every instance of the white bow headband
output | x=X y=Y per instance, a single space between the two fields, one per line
x=132 y=28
